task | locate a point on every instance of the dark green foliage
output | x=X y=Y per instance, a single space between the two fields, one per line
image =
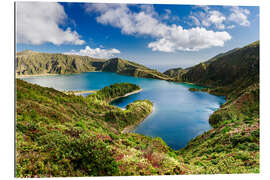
x=91 y=156
x=66 y=156
x=233 y=145
x=108 y=93
x=134 y=111
x=67 y=135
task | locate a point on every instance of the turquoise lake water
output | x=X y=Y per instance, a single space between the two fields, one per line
x=179 y=114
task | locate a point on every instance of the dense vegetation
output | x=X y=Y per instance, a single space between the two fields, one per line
x=68 y=135
x=111 y=92
x=232 y=146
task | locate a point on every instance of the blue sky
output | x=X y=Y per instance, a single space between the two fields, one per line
x=158 y=36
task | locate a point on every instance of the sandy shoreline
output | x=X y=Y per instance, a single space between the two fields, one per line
x=94 y=91
x=79 y=92
x=33 y=75
x=128 y=94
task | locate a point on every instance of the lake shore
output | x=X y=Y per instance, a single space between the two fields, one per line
x=79 y=92
x=94 y=91
x=34 y=75
x=130 y=128
x=155 y=85
x=128 y=94
x=49 y=74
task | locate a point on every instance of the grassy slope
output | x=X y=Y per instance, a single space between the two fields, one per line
x=232 y=146
x=68 y=135
x=234 y=70
x=231 y=71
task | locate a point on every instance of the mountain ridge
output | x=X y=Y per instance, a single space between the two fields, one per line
x=34 y=63
x=68 y=135
x=238 y=67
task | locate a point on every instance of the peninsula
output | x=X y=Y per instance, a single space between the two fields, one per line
x=60 y=134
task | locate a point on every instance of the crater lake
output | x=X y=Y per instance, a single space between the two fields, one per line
x=179 y=114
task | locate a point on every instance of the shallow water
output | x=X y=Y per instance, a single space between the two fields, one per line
x=179 y=114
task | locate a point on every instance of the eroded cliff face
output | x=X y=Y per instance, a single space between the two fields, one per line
x=34 y=63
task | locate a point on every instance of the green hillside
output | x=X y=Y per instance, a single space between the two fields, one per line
x=67 y=135
x=35 y=63
x=125 y=67
x=225 y=74
x=175 y=73
x=232 y=146
x=234 y=138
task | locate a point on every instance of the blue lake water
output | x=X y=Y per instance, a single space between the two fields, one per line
x=179 y=114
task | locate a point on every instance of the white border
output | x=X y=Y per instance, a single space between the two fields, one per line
x=7 y=88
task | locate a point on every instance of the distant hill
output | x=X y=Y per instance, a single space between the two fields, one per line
x=176 y=73
x=67 y=135
x=125 y=67
x=35 y=63
x=227 y=72
x=236 y=131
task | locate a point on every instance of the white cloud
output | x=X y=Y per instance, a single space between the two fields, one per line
x=96 y=53
x=189 y=40
x=217 y=18
x=208 y=18
x=38 y=22
x=195 y=20
x=240 y=16
x=169 y=38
